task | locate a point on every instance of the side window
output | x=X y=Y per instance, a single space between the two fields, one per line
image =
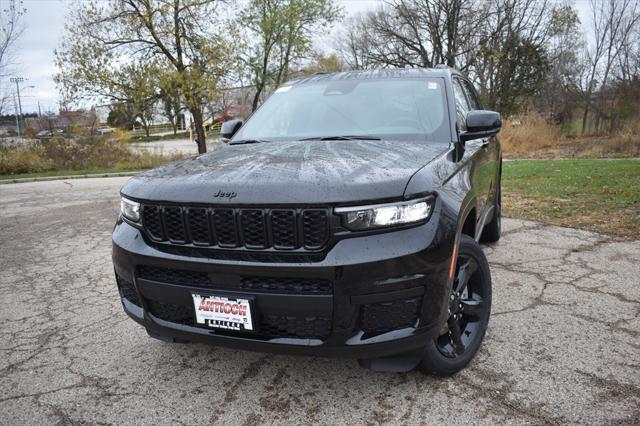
x=471 y=95
x=462 y=106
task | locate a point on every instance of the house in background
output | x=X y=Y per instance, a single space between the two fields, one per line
x=64 y=120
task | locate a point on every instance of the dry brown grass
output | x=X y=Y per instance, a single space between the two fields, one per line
x=533 y=137
x=23 y=160
x=624 y=144
x=91 y=152
x=528 y=134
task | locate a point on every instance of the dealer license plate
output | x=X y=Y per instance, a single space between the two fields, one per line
x=223 y=312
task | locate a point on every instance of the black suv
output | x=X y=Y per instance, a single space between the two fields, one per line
x=342 y=219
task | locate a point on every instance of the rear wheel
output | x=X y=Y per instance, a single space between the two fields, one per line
x=468 y=314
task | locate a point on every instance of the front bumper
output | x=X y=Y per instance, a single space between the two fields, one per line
x=387 y=294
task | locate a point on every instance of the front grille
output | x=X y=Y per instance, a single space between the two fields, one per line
x=252 y=283
x=377 y=318
x=127 y=290
x=174 y=276
x=152 y=222
x=174 y=224
x=270 y=326
x=296 y=327
x=314 y=228
x=179 y=314
x=251 y=228
x=288 y=285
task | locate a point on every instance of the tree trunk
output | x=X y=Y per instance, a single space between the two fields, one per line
x=198 y=124
x=256 y=97
x=585 y=115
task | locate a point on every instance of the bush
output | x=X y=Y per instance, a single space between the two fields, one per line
x=23 y=160
x=119 y=134
x=92 y=152
x=86 y=153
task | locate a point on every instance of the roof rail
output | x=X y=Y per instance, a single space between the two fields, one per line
x=442 y=67
x=319 y=73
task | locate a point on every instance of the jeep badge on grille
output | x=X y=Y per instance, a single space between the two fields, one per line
x=221 y=194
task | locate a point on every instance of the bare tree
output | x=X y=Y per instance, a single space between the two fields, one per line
x=11 y=28
x=557 y=97
x=629 y=57
x=511 y=61
x=415 y=33
x=613 y=24
x=354 y=43
x=499 y=43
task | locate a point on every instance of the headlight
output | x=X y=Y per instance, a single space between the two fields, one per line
x=381 y=215
x=130 y=209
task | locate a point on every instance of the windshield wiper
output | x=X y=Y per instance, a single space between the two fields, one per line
x=245 y=141
x=343 y=138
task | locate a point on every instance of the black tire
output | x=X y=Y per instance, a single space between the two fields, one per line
x=492 y=230
x=447 y=354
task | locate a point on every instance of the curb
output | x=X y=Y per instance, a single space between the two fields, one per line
x=48 y=178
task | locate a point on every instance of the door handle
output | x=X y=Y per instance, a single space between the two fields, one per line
x=485 y=143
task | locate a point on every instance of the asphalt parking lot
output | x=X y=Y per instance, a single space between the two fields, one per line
x=563 y=342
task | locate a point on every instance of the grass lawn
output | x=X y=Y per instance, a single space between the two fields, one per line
x=67 y=173
x=599 y=195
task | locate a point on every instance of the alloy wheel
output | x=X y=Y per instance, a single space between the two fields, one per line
x=467 y=311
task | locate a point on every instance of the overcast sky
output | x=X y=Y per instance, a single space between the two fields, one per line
x=44 y=26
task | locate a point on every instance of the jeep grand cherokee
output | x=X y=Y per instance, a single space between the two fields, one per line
x=342 y=219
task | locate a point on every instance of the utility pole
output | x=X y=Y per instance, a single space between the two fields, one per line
x=17 y=81
x=39 y=110
x=15 y=105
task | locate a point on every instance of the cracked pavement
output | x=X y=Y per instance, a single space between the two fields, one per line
x=563 y=344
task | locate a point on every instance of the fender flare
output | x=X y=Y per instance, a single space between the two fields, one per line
x=467 y=206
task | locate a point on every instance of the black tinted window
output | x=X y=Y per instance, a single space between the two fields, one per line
x=471 y=95
x=462 y=106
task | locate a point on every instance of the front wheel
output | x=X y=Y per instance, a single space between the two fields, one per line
x=468 y=314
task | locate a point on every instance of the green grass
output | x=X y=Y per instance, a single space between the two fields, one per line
x=600 y=195
x=67 y=173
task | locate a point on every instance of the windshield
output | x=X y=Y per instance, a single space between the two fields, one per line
x=386 y=109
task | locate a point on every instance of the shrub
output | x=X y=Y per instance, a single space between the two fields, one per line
x=91 y=152
x=119 y=134
x=23 y=160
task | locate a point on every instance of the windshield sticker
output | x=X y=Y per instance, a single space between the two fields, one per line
x=432 y=86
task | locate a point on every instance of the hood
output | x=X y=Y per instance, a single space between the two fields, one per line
x=310 y=172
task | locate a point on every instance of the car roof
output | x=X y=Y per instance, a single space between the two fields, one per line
x=388 y=73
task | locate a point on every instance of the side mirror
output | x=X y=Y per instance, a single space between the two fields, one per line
x=481 y=124
x=229 y=128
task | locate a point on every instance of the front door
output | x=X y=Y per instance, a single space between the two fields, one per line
x=478 y=152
